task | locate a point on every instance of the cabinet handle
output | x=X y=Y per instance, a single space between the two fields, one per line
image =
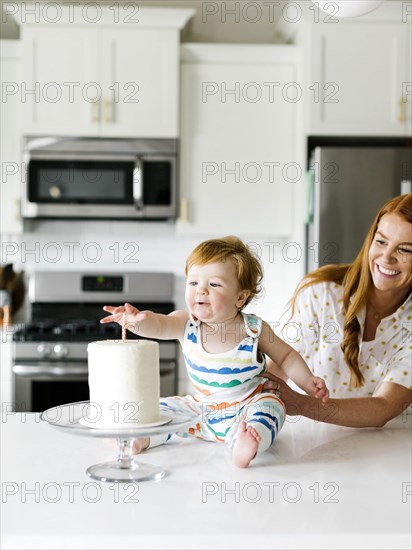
x=95 y=111
x=184 y=210
x=401 y=111
x=406 y=187
x=17 y=210
x=108 y=111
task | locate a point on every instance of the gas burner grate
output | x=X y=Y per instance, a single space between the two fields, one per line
x=73 y=331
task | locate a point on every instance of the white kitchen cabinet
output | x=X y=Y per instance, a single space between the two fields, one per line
x=239 y=162
x=61 y=80
x=358 y=71
x=360 y=76
x=103 y=79
x=12 y=170
x=141 y=80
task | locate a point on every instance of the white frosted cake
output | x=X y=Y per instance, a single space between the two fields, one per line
x=124 y=383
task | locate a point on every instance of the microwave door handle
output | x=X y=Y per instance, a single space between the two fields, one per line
x=138 y=185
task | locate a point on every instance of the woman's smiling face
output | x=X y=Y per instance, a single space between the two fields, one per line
x=390 y=255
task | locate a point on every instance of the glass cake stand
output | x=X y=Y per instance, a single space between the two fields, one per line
x=125 y=469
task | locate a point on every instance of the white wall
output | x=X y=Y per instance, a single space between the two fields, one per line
x=135 y=246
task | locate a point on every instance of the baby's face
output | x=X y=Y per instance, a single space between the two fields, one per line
x=212 y=293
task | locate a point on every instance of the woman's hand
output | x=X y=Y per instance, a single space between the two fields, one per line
x=291 y=398
x=357 y=412
x=127 y=315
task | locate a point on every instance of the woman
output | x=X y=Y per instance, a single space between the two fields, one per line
x=353 y=326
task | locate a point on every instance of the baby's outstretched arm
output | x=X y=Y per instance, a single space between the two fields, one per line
x=127 y=314
x=317 y=388
x=292 y=364
x=148 y=323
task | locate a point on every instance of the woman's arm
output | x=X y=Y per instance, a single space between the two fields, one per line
x=389 y=401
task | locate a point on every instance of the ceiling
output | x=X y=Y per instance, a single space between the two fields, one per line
x=218 y=21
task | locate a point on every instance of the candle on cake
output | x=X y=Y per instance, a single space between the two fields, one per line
x=124 y=382
x=124 y=327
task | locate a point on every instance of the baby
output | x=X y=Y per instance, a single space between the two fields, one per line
x=224 y=351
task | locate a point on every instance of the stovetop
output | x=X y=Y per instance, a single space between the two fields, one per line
x=79 y=330
x=67 y=307
x=75 y=323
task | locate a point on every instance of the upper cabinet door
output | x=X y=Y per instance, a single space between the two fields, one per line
x=140 y=82
x=360 y=72
x=239 y=162
x=61 y=87
x=104 y=78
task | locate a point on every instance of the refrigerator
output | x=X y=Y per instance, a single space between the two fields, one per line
x=347 y=187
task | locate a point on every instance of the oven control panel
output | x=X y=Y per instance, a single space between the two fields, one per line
x=52 y=350
x=100 y=283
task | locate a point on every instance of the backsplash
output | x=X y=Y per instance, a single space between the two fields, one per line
x=116 y=247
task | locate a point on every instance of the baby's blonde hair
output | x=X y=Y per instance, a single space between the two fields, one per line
x=249 y=268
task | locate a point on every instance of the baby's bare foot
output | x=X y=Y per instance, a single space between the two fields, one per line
x=246 y=446
x=140 y=445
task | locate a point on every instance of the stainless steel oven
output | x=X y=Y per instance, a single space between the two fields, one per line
x=50 y=352
x=100 y=178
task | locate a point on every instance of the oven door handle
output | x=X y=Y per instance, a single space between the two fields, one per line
x=37 y=370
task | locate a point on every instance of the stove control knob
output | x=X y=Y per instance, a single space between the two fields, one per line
x=44 y=349
x=60 y=350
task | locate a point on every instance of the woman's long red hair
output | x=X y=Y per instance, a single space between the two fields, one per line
x=356 y=280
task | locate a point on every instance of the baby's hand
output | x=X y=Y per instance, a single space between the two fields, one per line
x=128 y=314
x=319 y=390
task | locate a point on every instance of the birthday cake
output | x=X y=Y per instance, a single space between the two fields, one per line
x=124 y=383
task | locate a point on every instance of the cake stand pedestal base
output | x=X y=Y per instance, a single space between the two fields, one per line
x=125 y=468
x=73 y=418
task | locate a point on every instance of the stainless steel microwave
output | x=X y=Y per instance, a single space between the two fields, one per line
x=100 y=178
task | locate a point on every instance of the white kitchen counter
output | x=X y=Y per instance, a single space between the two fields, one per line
x=320 y=486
